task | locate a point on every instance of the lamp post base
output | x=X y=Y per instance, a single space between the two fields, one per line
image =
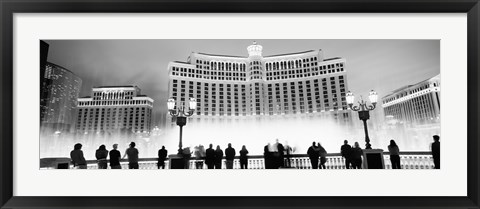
x=176 y=162
x=373 y=159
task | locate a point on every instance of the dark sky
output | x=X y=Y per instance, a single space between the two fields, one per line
x=381 y=65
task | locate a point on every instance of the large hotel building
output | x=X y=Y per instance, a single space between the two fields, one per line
x=233 y=87
x=415 y=104
x=113 y=109
x=59 y=90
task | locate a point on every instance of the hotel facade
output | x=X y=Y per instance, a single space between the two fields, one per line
x=415 y=104
x=114 y=109
x=257 y=86
x=59 y=90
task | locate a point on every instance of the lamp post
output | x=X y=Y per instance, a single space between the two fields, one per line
x=181 y=114
x=363 y=111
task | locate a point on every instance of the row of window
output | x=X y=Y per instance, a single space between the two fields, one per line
x=235 y=96
x=257 y=71
x=411 y=91
x=112 y=96
x=291 y=64
x=299 y=73
x=416 y=109
x=90 y=118
x=220 y=65
x=115 y=103
x=271 y=65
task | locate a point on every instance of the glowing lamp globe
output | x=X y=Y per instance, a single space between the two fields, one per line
x=193 y=104
x=373 y=97
x=171 y=104
x=350 y=98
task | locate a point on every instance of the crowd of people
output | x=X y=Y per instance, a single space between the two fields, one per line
x=101 y=154
x=275 y=156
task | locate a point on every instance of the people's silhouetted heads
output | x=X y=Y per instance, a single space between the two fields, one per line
x=132 y=144
x=436 y=138
x=229 y=145
x=115 y=146
x=244 y=148
x=357 y=145
x=218 y=147
x=392 y=143
x=313 y=144
x=102 y=147
x=210 y=146
x=345 y=142
x=77 y=146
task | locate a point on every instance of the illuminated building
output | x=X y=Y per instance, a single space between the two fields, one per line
x=44 y=82
x=113 y=109
x=59 y=93
x=414 y=104
x=236 y=87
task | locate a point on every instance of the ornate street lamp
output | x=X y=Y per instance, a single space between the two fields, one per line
x=363 y=111
x=181 y=114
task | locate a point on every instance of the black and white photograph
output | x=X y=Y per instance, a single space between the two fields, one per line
x=159 y=104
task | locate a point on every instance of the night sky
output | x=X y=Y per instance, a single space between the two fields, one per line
x=381 y=65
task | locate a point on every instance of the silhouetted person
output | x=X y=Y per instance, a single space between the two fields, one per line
x=162 y=156
x=280 y=160
x=288 y=152
x=323 y=156
x=229 y=156
x=115 y=158
x=77 y=157
x=199 y=156
x=132 y=154
x=436 y=151
x=210 y=157
x=267 y=155
x=187 y=154
x=357 y=154
x=346 y=151
x=394 y=155
x=101 y=154
x=218 y=158
x=312 y=153
x=243 y=158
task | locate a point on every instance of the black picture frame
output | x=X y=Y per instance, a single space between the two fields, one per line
x=10 y=7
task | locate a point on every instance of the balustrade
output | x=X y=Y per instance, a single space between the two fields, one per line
x=408 y=160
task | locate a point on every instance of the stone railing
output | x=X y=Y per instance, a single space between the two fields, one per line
x=411 y=160
x=408 y=160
